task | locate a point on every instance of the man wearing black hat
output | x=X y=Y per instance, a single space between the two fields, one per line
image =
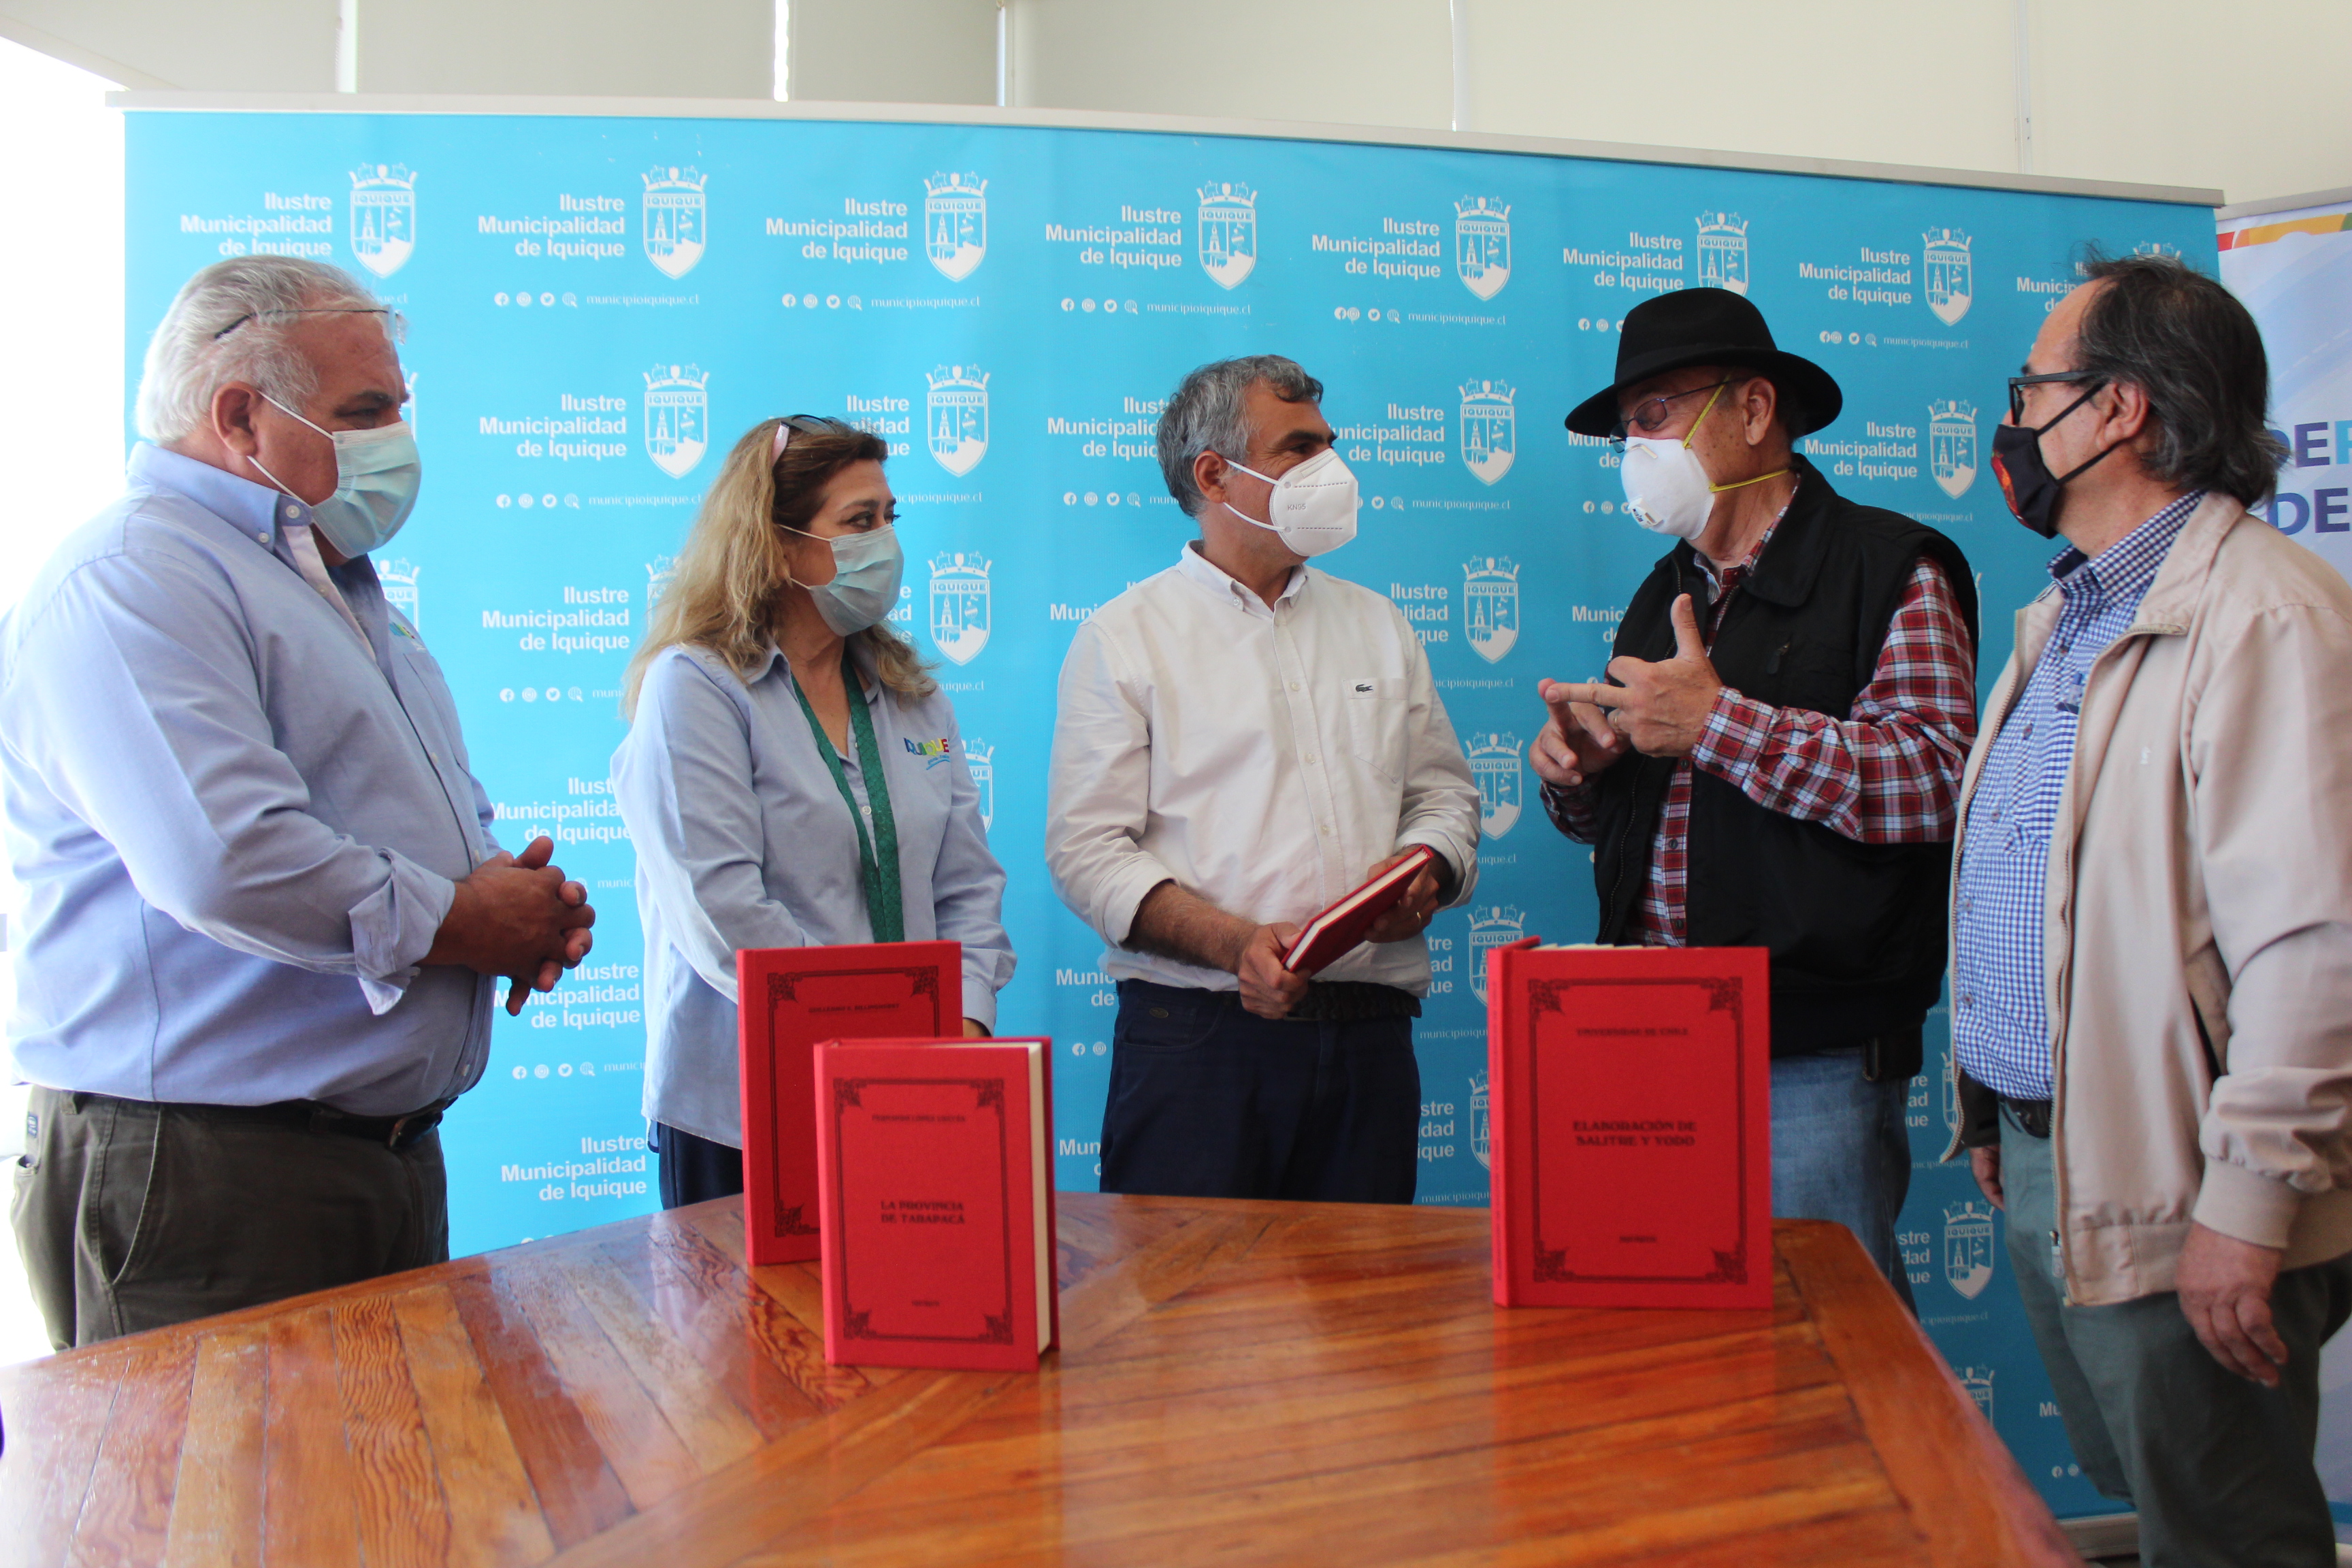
x=1775 y=757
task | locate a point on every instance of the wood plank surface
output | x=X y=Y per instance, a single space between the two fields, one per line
x=1252 y=1383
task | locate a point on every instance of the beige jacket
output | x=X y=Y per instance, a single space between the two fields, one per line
x=2197 y=920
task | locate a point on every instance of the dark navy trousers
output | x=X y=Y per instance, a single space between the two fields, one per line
x=1210 y=1101
x=693 y=1170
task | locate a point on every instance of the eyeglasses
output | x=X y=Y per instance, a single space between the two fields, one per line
x=395 y=325
x=2017 y=384
x=1652 y=414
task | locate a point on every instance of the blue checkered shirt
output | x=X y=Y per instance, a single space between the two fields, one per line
x=2000 y=1020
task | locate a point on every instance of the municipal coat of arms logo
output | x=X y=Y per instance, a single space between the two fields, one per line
x=398 y=579
x=1228 y=233
x=1952 y=445
x=1723 y=251
x=1967 y=1248
x=980 y=758
x=1482 y=244
x=1951 y=275
x=1978 y=1380
x=1490 y=429
x=1496 y=766
x=383 y=217
x=1482 y=1126
x=1496 y=925
x=960 y=605
x=957 y=415
x=1490 y=605
x=675 y=221
x=955 y=224
x=659 y=571
x=677 y=417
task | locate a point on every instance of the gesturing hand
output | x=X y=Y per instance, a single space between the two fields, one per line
x=2225 y=1294
x=1268 y=989
x=1660 y=707
x=1576 y=742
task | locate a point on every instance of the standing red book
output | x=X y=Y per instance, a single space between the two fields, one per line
x=1629 y=1091
x=937 y=1203
x=789 y=998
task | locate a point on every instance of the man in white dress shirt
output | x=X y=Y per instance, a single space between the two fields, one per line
x=1240 y=739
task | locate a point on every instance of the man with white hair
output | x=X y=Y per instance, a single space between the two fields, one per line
x=264 y=919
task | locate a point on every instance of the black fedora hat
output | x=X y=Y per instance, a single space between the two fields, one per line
x=1707 y=326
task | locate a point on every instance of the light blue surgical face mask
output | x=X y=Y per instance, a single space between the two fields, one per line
x=376 y=476
x=866 y=569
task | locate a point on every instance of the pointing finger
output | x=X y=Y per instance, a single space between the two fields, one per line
x=1597 y=695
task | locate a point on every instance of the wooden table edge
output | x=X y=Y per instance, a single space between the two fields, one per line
x=1963 y=1488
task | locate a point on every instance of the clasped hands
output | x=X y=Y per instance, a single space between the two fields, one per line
x=1270 y=991
x=516 y=916
x=1658 y=710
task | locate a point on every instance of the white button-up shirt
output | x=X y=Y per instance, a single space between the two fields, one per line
x=1262 y=758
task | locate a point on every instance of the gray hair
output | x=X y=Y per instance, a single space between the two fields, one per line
x=2185 y=340
x=194 y=352
x=1209 y=414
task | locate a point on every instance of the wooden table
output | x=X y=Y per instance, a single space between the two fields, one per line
x=1239 y=1382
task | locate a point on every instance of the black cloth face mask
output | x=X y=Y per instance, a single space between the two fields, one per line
x=2026 y=481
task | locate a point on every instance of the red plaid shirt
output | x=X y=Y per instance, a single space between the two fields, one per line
x=1889 y=772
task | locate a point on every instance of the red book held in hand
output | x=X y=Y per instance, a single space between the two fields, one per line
x=789 y=998
x=1338 y=930
x=1629 y=1114
x=937 y=1203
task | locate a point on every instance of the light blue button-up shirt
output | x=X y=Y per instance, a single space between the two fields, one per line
x=237 y=826
x=743 y=840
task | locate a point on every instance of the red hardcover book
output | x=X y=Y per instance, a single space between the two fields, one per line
x=937 y=1203
x=1629 y=1095
x=789 y=998
x=1338 y=930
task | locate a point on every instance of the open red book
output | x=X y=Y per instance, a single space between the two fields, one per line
x=1629 y=1091
x=1337 y=932
x=937 y=1203
x=789 y=998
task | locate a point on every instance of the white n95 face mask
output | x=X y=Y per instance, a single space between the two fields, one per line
x=1313 y=508
x=1666 y=486
x=376 y=476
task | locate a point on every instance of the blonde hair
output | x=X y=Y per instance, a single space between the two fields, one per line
x=727 y=593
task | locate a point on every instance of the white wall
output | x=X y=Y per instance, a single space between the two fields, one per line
x=893 y=51
x=635 y=49
x=1349 y=62
x=2247 y=97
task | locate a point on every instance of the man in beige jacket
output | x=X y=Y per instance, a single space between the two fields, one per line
x=2152 y=924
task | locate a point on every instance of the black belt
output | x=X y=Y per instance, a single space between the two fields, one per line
x=2034 y=1115
x=1353 y=1002
x=397 y=1133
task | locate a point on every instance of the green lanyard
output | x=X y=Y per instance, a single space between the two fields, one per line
x=884 y=904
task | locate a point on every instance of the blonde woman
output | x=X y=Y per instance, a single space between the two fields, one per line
x=791 y=775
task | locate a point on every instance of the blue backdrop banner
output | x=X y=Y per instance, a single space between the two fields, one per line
x=598 y=306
